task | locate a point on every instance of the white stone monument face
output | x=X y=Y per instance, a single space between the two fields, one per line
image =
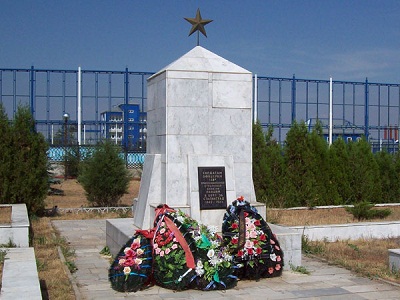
x=199 y=115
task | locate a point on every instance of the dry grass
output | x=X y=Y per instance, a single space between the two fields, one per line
x=367 y=257
x=75 y=195
x=5 y=215
x=326 y=216
x=50 y=268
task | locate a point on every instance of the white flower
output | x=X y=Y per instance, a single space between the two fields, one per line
x=139 y=251
x=127 y=270
x=200 y=264
x=215 y=243
x=180 y=219
x=210 y=253
x=212 y=229
x=272 y=256
x=227 y=257
x=199 y=271
x=199 y=268
x=214 y=260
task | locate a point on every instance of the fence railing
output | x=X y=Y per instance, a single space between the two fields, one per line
x=133 y=159
x=372 y=108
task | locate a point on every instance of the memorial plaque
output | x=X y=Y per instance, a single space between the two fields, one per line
x=212 y=187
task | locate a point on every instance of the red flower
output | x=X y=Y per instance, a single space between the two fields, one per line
x=240 y=253
x=258 y=251
x=257 y=222
x=262 y=237
x=250 y=251
x=246 y=214
x=255 y=242
x=235 y=225
x=235 y=240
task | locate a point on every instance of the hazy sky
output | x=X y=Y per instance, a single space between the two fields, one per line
x=313 y=39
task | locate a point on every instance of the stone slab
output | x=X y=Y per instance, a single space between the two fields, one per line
x=394 y=260
x=18 y=231
x=20 y=277
x=352 y=231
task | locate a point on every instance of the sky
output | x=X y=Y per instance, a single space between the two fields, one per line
x=349 y=40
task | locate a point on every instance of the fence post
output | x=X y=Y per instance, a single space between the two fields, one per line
x=366 y=120
x=32 y=92
x=293 y=99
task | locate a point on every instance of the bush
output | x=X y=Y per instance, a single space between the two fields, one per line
x=363 y=211
x=23 y=162
x=104 y=176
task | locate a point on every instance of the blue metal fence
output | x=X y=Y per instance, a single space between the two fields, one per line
x=372 y=108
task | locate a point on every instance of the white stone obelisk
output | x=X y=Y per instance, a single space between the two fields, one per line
x=199 y=114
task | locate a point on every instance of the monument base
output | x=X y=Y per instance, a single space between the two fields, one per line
x=119 y=231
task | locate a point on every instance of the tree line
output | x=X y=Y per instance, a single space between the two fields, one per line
x=306 y=171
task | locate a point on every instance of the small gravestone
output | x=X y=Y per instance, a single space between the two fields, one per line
x=199 y=139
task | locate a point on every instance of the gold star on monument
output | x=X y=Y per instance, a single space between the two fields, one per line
x=198 y=25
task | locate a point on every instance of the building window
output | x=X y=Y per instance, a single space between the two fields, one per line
x=131 y=119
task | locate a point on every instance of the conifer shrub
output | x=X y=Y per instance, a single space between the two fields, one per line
x=23 y=161
x=103 y=176
x=363 y=211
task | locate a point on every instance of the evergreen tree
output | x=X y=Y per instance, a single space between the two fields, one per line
x=28 y=178
x=339 y=171
x=323 y=192
x=300 y=181
x=276 y=164
x=387 y=177
x=364 y=176
x=5 y=156
x=104 y=176
x=261 y=172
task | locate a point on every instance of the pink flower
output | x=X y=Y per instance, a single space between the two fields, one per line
x=253 y=234
x=135 y=244
x=158 y=250
x=174 y=246
x=270 y=270
x=277 y=248
x=121 y=261
x=167 y=251
x=278 y=258
x=138 y=261
x=155 y=246
x=129 y=252
x=162 y=231
x=278 y=267
x=251 y=227
x=162 y=253
x=249 y=244
x=272 y=242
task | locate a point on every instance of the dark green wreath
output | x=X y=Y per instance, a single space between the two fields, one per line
x=174 y=250
x=132 y=268
x=257 y=253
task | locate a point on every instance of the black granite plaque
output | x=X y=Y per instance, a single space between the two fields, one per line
x=212 y=187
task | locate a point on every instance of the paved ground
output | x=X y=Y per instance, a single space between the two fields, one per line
x=87 y=237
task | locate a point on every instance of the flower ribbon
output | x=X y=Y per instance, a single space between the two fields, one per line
x=178 y=235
